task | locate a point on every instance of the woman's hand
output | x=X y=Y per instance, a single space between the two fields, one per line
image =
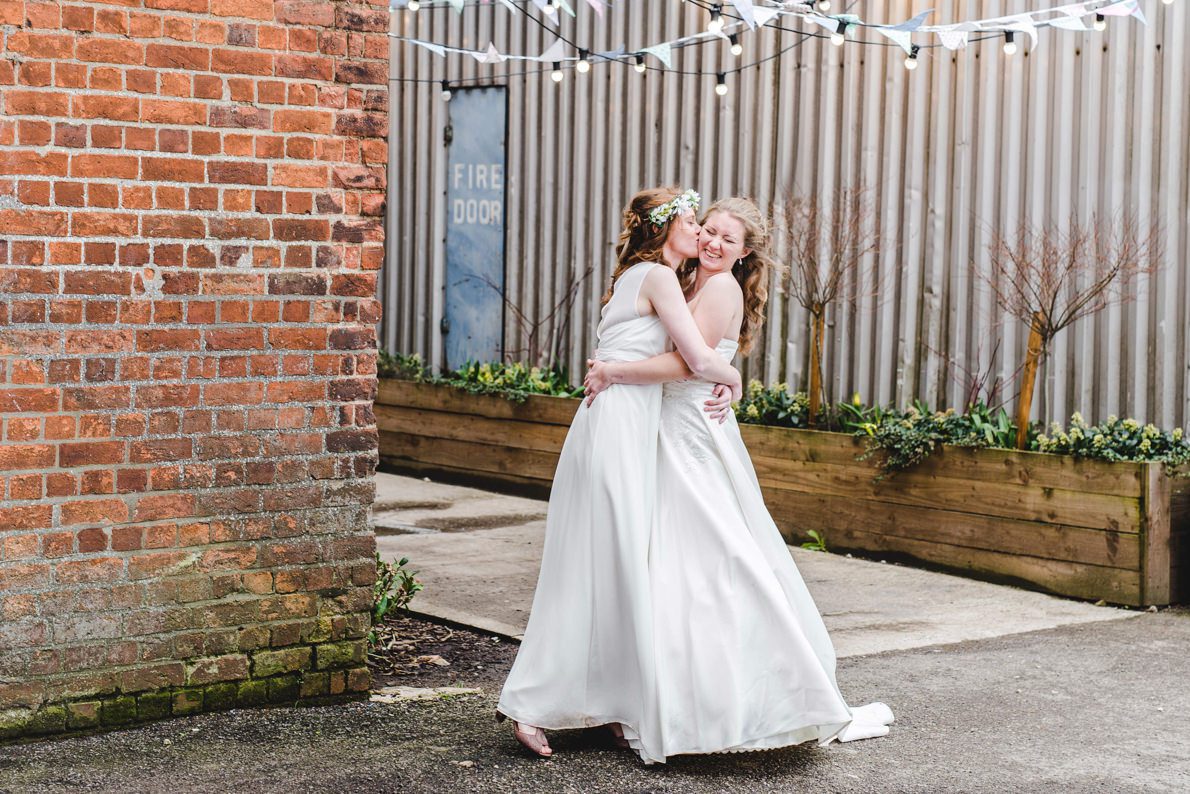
x=719 y=406
x=598 y=378
x=736 y=384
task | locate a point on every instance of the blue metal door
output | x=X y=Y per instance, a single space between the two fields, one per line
x=473 y=323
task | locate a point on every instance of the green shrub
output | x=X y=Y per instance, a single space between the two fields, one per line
x=515 y=381
x=1115 y=440
x=394 y=588
x=401 y=366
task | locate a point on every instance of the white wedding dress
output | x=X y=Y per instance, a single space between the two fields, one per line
x=744 y=660
x=587 y=655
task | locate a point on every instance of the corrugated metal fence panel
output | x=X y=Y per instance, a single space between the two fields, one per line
x=971 y=143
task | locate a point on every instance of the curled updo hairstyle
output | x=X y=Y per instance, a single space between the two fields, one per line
x=752 y=272
x=640 y=240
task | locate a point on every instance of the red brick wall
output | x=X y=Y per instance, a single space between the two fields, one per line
x=190 y=228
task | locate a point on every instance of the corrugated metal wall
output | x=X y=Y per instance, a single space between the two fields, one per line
x=971 y=142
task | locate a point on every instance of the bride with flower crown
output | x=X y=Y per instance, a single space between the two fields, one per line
x=588 y=656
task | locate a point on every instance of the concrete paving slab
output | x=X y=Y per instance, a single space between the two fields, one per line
x=485 y=578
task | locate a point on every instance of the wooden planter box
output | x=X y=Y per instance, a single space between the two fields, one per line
x=1088 y=529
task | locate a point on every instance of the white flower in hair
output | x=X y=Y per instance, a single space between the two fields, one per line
x=688 y=200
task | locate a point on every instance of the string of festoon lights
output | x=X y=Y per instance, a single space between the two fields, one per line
x=728 y=21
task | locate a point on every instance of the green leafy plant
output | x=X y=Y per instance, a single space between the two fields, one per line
x=515 y=381
x=401 y=366
x=816 y=542
x=1116 y=439
x=773 y=405
x=394 y=588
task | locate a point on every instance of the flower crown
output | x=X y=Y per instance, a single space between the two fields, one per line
x=689 y=200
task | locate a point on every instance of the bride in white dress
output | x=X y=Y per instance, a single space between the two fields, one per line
x=744 y=659
x=587 y=657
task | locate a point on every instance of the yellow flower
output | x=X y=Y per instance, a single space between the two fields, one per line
x=1131 y=424
x=1076 y=418
x=855 y=400
x=752 y=412
x=1177 y=434
x=1150 y=431
x=1145 y=445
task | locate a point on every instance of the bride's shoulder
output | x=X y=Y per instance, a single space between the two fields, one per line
x=723 y=284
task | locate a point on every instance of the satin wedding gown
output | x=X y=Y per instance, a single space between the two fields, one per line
x=744 y=660
x=587 y=655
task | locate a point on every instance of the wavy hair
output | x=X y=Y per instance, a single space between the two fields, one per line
x=640 y=240
x=753 y=271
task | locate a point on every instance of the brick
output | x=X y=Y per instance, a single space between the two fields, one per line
x=172 y=56
x=36 y=103
x=110 y=51
x=94 y=453
x=95 y=511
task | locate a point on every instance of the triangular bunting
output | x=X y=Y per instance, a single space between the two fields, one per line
x=662 y=53
x=915 y=23
x=457 y=5
x=744 y=7
x=597 y=5
x=954 y=39
x=763 y=15
x=902 y=38
x=556 y=52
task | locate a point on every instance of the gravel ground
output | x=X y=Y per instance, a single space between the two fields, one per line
x=1092 y=708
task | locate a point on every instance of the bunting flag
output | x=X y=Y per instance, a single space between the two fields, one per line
x=902 y=38
x=457 y=5
x=954 y=39
x=744 y=7
x=598 y=5
x=1125 y=8
x=661 y=52
x=556 y=52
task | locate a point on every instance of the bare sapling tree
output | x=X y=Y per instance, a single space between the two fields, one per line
x=1050 y=277
x=543 y=333
x=830 y=243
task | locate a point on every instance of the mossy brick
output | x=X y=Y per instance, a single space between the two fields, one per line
x=13 y=724
x=266 y=664
x=154 y=705
x=285 y=688
x=315 y=685
x=119 y=710
x=220 y=697
x=319 y=631
x=187 y=701
x=47 y=719
x=84 y=714
x=253 y=693
x=334 y=656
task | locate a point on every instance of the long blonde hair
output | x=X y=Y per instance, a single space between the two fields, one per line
x=752 y=272
x=640 y=239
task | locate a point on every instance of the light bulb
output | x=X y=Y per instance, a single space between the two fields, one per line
x=556 y=75
x=1009 y=44
x=721 y=84
x=550 y=9
x=413 y=5
x=1167 y=2
x=584 y=63
x=824 y=5
x=445 y=92
x=911 y=61
x=716 y=24
x=640 y=64
x=1100 y=23
x=736 y=47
